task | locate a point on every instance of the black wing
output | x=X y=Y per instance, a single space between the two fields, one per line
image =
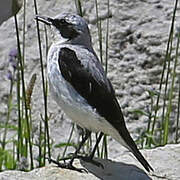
x=91 y=83
x=98 y=92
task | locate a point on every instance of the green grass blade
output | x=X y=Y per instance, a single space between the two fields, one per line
x=164 y=68
x=178 y=113
x=43 y=82
x=169 y=108
x=24 y=92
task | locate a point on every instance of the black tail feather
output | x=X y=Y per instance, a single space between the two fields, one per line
x=141 y=159
x=133 y=148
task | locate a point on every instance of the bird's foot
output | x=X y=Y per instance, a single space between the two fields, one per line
x=68 y=165
x=90 y=160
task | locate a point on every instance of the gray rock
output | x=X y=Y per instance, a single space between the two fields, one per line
x=9 y=8
x=164 y=160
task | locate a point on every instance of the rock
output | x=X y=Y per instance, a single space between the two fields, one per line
x=46 y=173
x=136 y=90
x=9 y=8
x=164 y=160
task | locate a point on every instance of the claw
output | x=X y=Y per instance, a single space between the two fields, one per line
x=90 y=160
x=67 y=166
x=81 y=170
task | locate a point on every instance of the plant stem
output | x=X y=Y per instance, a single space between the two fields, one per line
x=178 y=113
x=169 y=109
x=43 y=82
x=24 y=91
x=78 y=7
x=164 y=67
x=107 y=40
x=8 y=114
x=99 y=31
x=166 y=122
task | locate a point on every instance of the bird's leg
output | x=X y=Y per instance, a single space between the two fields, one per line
x=87 y=134
x=96 y=145
x=90 y=157
x=69 y=165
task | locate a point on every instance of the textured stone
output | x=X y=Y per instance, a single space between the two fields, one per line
x=164 y=160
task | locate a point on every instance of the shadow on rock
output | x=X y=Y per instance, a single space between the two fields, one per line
x=115 y=170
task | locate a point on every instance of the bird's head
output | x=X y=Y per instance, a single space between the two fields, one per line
x=69 y=28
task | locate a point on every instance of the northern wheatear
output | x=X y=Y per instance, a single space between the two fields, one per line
x=79 y=84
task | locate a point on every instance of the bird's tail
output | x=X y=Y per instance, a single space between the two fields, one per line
x=142 y=160
x=130 y=144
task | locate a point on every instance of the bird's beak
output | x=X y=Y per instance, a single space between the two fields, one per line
x=44 y=19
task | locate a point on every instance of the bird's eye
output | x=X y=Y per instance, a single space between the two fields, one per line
x=62 y=21
x=59 y=22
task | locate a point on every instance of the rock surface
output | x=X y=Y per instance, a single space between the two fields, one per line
x=165 y=161
x=9 y=8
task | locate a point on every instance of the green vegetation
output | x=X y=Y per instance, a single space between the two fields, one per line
x=153 y=136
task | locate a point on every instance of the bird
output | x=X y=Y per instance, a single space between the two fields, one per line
x=79 y=84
